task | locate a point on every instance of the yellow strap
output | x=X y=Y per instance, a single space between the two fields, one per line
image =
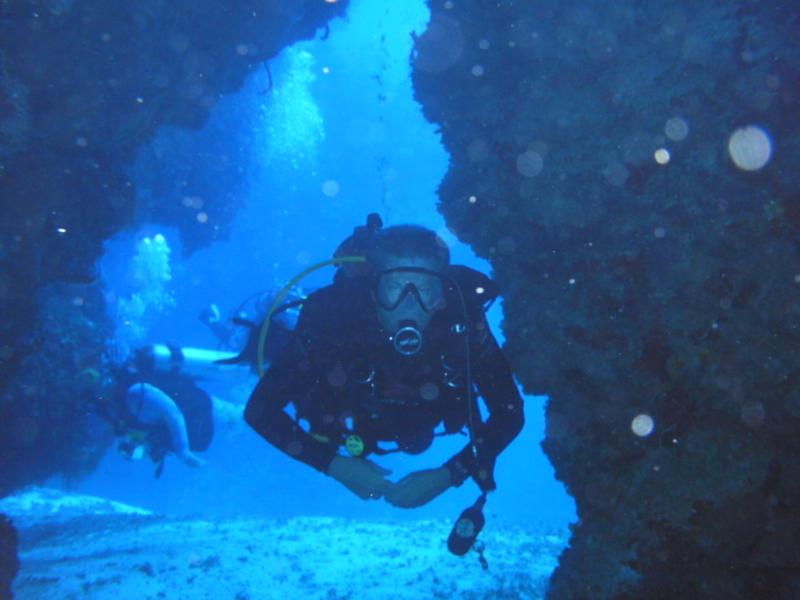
x=262 y=336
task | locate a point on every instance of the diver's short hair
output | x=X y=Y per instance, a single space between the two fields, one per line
x=410 y=241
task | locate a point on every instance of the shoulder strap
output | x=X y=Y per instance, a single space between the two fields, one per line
x=479 y=290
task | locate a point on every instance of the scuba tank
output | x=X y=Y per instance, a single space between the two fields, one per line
x=196 y=362
x=360 y=242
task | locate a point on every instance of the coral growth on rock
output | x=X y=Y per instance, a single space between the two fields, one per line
x=82 y=86
x=649 y=270
x=46 y=409
x=14 y=112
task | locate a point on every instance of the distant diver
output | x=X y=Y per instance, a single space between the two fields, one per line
x=153 y=400
x=397 y=346
x=156 y=411
x=240 y=331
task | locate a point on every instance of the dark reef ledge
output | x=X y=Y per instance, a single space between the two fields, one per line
x=667 y=292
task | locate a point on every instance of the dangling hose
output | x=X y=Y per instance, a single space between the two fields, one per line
x=262 y=336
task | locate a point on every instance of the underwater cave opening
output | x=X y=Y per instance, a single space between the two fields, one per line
x=326 y=133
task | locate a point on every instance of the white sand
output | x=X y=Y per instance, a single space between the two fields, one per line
x=84 y=547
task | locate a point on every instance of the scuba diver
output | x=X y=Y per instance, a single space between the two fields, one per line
x=154 y=403
x=390 y=351
x=157 y=410
x=237 y=332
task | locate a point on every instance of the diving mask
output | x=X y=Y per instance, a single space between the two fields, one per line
x=393 y=286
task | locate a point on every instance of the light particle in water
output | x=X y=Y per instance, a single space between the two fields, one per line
x=642 y=425
x=530 y=163
x=330 y=188
x=429 y=391
x=662 y=156
x=750 y=148
x=676 y=129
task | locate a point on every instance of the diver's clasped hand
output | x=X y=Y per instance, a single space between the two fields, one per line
x=368 y=481
x=361 y=476
x=418 y=488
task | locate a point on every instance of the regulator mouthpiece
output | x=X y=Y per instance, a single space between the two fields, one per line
x=408 y=339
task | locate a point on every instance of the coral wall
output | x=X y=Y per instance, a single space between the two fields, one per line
x=651 y=285
x=83 y=83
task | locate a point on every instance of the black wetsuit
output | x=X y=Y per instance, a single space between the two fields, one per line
x=343 y=377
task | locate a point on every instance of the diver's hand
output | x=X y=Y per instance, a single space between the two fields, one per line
x=418 y=488
x=192 y=460
x=361 y=476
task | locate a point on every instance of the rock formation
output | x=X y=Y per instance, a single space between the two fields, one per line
x=649 y=264
x=84 y=83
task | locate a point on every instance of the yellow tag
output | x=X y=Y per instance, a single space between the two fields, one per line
x=354 y=445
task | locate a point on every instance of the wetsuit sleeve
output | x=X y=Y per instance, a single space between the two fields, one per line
x=492 y=375
x=289 y=379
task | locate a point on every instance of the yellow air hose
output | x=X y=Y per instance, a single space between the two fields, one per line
x=262 y=335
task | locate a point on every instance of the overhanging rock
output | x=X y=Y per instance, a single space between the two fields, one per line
x=83 y=83
x=651 y=284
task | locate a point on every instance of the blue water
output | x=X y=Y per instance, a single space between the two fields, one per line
x=338 y=136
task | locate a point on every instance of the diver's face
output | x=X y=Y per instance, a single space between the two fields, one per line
x=408 y=295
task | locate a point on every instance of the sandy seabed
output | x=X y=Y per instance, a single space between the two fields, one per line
x=90 y=548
